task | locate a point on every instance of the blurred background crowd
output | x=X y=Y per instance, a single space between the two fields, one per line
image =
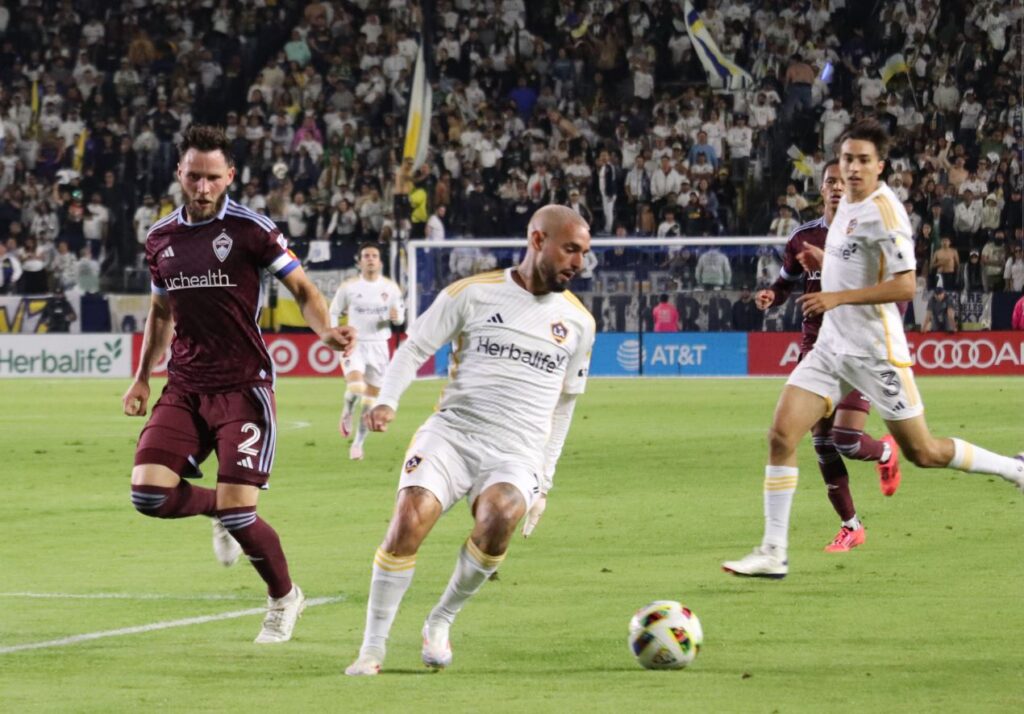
x=602 y=105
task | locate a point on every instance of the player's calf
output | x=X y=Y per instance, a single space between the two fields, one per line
x=179 y=501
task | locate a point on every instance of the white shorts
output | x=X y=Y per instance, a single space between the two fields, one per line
x=451 y=465
x=890 y=389
x=370 y=358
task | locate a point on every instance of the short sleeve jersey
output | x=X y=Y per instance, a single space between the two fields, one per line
x=368 y=306
x=868 y=242
x=812 y=233
x=212 y=274
x=514 y=354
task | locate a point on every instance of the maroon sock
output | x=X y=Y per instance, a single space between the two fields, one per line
x=182 y=501
x=857 y=445
x=837 y=480
x=262 y=546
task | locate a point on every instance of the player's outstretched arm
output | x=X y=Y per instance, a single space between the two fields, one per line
x=315 y=313
x=155 y=339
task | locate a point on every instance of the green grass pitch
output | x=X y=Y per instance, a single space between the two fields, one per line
x=660 y=481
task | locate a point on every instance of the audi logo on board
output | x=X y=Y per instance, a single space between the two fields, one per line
x=964 y=354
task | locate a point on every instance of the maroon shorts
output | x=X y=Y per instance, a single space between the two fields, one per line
x=854 y=401
x=185 y=427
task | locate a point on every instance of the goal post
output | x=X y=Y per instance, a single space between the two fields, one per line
x=619 y=267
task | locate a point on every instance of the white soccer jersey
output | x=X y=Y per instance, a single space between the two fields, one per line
x=868 y=243
x=515 y=354
x=368 y=306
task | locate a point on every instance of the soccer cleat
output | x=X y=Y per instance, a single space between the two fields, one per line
x=366 y=665
x=1019 y=480
x=889 y=470
x=437 y=650
x=355 y=453
x=846 y=539
x=225 y=547
x=345 y=424
x=760 y=563
x=282 y=614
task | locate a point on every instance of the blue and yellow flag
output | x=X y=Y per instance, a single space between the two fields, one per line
x=896 y=64
x=722 y=71
x=417 y=126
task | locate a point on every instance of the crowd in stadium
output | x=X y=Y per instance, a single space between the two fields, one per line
x=602 y=105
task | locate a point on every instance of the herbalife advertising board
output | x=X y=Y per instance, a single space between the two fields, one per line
x=65 y=355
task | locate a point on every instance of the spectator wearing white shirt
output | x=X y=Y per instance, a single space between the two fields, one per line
x=967 y=220
x=740 y=140
x=784 y=224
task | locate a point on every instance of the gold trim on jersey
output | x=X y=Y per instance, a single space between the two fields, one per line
x=885 y=323
x=491 y=277
x=578 y=304
x=887 y=212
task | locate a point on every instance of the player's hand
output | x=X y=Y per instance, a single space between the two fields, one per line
x=135 y=399
x=378 y=418
x=341 y=338
x=764 y=299
x=817 y=303
x=393 y=315
x=534 y=514
x=811 y=257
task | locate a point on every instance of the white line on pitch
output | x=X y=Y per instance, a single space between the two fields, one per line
x=128 y=596
x=75 y=639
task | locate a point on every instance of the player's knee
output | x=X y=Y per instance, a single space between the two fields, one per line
x=782 y=440
x=358 y=388
x=847 y=442
x=825 y=448
x=150 y=500
x=497 y=513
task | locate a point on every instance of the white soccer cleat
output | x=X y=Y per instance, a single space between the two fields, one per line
x=345 y=424
x=366 y=665
x=282 y=614
x=355 y=453
x=1019 y=480
x=225 y=547
x=761 y=563
x=437 y=650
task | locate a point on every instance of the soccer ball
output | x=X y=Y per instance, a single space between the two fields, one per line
x=665 y=635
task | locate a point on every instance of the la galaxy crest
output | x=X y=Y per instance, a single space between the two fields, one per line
x=413 y=463
x=559 y=331
x=222 y=246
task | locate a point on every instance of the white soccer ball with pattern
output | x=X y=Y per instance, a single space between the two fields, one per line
x=665 y=635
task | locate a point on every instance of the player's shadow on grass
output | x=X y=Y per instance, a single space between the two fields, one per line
x=426 y=671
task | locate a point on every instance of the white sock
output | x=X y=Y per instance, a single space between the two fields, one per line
x=886 y=452
x=974 y=459
x=779 y=487
x=350 y=401
x=472 y=570
x=853 y=524
x=361 y=431
x=392 y=575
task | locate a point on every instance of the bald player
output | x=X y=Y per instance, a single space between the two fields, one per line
x=522 y=349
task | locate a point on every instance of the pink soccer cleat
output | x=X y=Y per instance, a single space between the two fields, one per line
x=846 y=539
x=889 y=470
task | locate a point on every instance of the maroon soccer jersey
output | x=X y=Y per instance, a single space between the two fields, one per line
x=212 y=275
x=812 y=233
